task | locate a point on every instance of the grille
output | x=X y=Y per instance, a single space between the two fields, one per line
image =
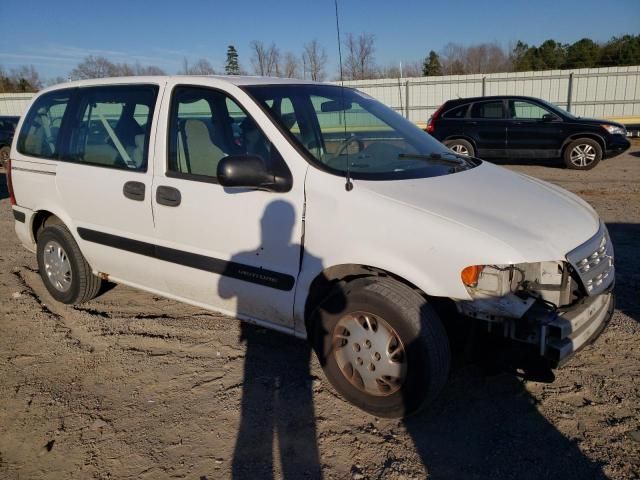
x=593 y=261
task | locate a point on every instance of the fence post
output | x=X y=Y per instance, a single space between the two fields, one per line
x=570 y=92
x=406 y=100
x=484 y=86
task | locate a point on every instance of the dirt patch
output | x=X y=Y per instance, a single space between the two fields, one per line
x=131 y=385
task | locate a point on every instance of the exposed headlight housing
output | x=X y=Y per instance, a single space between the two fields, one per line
x=549 y=280
x=614 y=129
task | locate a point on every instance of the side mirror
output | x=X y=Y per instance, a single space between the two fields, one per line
x=549 y=117
x=251 y=171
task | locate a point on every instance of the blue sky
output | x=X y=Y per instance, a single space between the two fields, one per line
x=55 y=35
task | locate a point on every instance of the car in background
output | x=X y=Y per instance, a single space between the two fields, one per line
x=7 y=127
x=525 y=127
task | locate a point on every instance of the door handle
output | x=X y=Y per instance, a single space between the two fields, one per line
x=168 y=196
x=134 y=191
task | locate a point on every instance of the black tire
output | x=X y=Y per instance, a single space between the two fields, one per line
x=463 y=147
x=426 y=346
x=573 y=159
x=83 y=284
x=4 y=156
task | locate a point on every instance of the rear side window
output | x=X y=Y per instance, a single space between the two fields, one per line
x=39 y=136
x=488 y=110
x=457 y=112
x=110 y=126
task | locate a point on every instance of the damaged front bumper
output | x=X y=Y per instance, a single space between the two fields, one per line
x=562 y=333
x=555 y=333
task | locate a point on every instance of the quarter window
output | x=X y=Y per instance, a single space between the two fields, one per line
x=40 y=131
x=205 y=126
x=488 y=110
x=111 y=126
x=457 y=112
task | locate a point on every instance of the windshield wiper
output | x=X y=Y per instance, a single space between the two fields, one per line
x=437 y=158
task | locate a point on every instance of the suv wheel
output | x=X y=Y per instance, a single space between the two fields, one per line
x=582 y=154
x=4 y=156
x=382 y=346
x=461 y=147
x=63 y=268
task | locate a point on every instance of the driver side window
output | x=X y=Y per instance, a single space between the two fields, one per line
x=521 y=110
x=206 y=125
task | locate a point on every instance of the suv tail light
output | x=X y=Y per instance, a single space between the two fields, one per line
x=431 y=124
x=12 y=197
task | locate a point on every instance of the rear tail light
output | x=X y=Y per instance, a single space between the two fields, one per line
x=431 y=124
x=12 y=197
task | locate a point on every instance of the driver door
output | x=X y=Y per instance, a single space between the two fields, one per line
x=236 y=250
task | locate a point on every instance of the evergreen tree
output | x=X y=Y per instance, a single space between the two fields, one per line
x=583 y=54
x=231 y=67
x=431 y=66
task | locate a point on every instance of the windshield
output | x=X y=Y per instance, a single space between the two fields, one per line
x=336 y=127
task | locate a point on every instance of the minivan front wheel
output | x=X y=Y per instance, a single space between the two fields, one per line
x=63 y=269
x=382 y=346
x=582 y=154
x=461 y=147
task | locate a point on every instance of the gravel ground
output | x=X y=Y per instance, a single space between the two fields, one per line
x=131 y=385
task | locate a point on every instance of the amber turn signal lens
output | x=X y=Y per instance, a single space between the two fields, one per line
x=470 y=275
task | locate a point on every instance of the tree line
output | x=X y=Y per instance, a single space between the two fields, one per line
x=359 y=62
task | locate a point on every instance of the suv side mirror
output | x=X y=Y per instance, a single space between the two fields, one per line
x=251 y=171
x=549 y=117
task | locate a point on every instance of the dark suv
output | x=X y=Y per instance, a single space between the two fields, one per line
x=525 y=127
x=7 y=127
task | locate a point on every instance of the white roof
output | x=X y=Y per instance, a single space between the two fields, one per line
x=192 y=79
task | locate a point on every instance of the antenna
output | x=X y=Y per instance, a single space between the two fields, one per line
x=349 y=185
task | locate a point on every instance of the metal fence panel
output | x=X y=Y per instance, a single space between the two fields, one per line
x=593 y=92
x=14 y=103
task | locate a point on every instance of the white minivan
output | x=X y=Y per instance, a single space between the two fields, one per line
x=308 y=208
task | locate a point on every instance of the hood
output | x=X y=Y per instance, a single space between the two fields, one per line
x=539 y=220
x=596 y=122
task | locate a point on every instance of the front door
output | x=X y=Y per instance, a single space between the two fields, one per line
x=235 y=250
x=533 y=131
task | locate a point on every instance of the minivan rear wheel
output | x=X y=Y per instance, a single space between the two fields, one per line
x=461 y=147
x=382 y=346
x=63 y=269
x=582 y=154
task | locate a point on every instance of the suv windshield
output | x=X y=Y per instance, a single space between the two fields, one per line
x=336 y=127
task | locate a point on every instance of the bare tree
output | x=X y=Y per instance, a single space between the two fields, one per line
x=409 y=70
x=486 y=58
x=265 y=60
x=481 y=58
x=314 y=60
x=94 y=67
x=290 y=67
x=360 y=62
x=200 y=67
x=27 y=77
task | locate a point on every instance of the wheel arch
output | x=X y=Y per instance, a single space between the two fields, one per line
x=329 y=278
x=42 y=218
x=578 y=136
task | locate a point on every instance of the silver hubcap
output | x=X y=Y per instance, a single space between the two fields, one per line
x=369 y=353
x=583 y=155
x=461 y=149
x=57 y=266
